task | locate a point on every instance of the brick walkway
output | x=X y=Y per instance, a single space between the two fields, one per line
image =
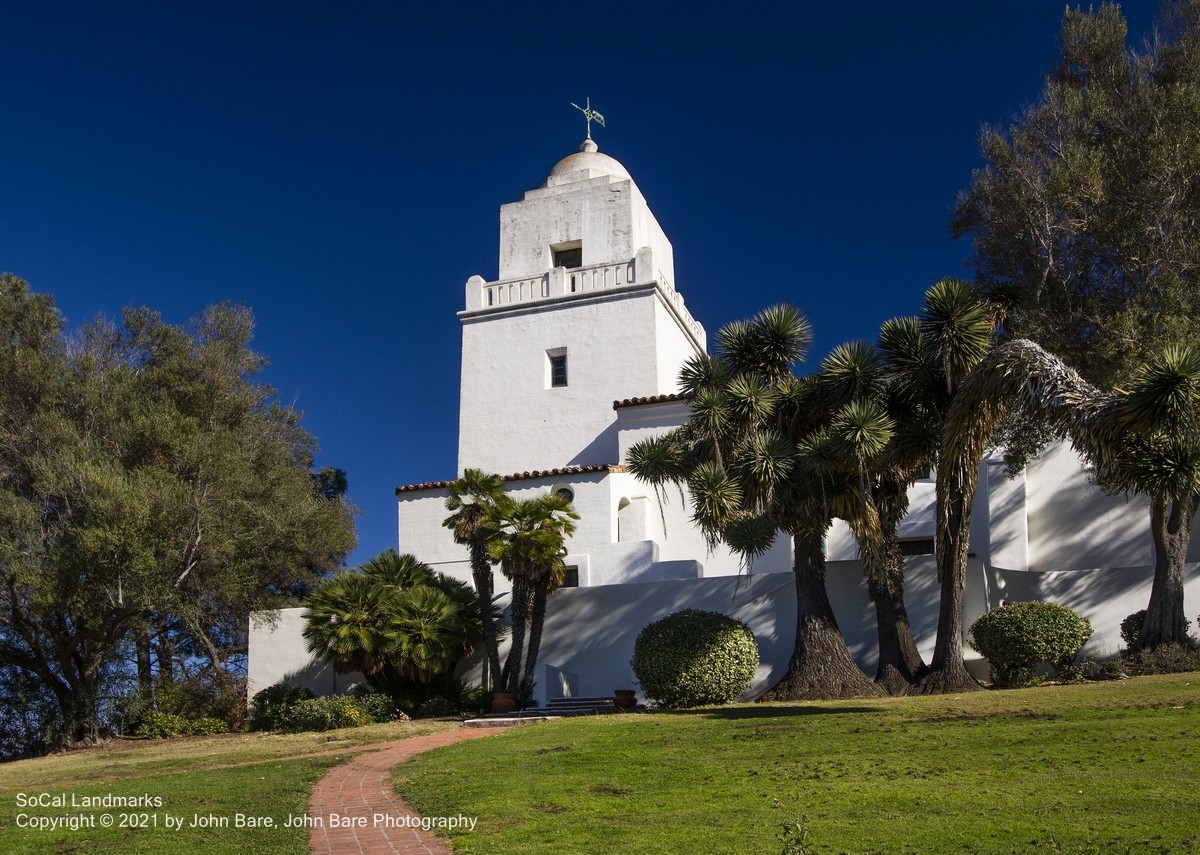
x=361 y=788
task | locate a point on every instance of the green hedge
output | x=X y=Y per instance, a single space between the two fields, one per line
x=693 y=657
x=1019 y=637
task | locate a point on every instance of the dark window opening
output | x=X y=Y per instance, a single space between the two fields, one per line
x=558 y=370
x=922 y=546
x=571 y=577
x=569 y=257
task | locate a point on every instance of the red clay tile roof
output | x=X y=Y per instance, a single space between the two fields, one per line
x=520 y=476
x=653 y=399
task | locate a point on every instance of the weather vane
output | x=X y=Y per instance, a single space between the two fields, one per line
x=591 y=116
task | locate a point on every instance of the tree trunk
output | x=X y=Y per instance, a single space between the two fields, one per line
x=900 y=663
x=821 y=667
x=947 y=672
x=1171 y=525
x=537 y=621
x=511 y=675
x=481 y=569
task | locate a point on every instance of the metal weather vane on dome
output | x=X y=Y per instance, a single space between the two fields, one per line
x=589 y=114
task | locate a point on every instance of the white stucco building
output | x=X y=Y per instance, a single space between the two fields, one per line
x=572 y=354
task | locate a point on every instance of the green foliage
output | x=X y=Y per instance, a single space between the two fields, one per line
x=436 y=708
x=152 y=493
x=378 y=706
x=694 y=657
x=1131 y=629
x=269 y=708
x=1019 y=637
x=326 y=713
x=160 y=725
x=394 y=620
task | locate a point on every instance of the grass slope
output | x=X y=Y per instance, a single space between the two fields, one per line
x=251 y=774
x=1111 y=767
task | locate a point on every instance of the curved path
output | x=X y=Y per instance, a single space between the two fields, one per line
x=344 y=803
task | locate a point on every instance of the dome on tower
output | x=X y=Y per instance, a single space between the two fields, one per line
x=588 y=162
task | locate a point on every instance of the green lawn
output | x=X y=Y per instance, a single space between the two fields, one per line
x=1112 y=767
x=254 y=775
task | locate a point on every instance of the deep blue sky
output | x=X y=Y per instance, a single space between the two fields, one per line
x=339 y=167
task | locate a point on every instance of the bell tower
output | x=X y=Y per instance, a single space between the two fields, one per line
x=584 y=312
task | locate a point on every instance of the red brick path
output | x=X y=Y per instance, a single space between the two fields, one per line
x=362 y=788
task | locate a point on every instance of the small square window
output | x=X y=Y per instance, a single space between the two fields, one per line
x=571 y=577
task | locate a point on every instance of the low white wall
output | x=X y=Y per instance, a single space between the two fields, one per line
x=589 y=632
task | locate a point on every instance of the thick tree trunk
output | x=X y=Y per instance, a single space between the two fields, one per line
x=1171 y=525
x=821 y=667
x=947 y=672
x=537 y=621
x=481 y=569
x=900 y=663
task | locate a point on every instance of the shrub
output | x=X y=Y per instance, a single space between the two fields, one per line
x=161 y=725
x=436 y=708
x=269 y=708
x=1131 y=628
x=1020 y=636
x=694 y=657
x=378 y=706
x=328 y=713
x=164 y=725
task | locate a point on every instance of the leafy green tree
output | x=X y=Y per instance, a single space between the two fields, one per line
x=472 y=501
x=393 y=620
x=1083 y=218
x=149 y=488
x=765 y=451
x=529 y=547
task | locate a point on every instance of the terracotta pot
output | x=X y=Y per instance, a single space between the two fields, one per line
x=625 y=699
x=503 y=702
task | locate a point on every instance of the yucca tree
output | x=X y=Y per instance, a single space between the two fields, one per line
x=472 y=503
x=394 y=620
x=761 y=452
x=928 y=359
x=1145 y=438
x=855 y=372
x=530 y=547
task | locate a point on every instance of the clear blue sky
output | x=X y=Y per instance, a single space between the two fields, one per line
x=339 y=167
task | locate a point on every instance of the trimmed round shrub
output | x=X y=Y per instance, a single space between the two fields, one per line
x=692 y=657
x=1131 y=628
x=328 y=713
x=1019 y=637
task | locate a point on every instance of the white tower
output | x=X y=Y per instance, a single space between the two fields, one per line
x=583 y=313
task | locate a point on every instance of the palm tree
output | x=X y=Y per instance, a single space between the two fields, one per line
x=472 y=502
x=530 y=549
x=763 y=451
x=394 y=620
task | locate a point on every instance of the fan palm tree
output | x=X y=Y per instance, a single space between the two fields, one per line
x=472 y=502
x=394 y=620
x=763 y=451
x=530 y=548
